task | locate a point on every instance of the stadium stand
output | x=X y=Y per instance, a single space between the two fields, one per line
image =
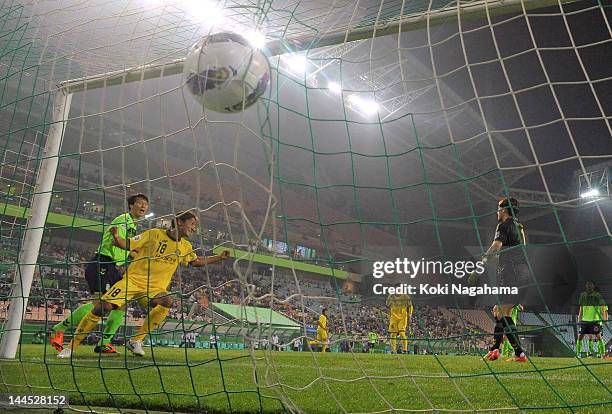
x=477 y=317
x=530 y=318
x=60 y=286
x=564 y=326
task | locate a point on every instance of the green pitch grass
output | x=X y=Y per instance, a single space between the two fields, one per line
x=195 y=380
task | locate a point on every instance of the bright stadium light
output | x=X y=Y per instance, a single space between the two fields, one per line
x=149 y=215
x=367 y=106
x=334 y=87
x=592 y=192
x=297 y=63
x=256 y=39
x=205 y=11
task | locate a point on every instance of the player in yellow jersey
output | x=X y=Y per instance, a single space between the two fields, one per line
x=400 y=311
x=322 y=336
x=158 y=254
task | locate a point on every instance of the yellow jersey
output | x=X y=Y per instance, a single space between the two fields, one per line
x=157 y=257
x=400 y=306
x=322 y=322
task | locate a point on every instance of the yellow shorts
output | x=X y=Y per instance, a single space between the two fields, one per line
x=126 y=290
x=397 y=325
x=321 y=335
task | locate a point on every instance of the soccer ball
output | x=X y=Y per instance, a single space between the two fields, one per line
x=224 y=73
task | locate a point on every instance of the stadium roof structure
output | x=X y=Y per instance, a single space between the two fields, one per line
x=255 y=315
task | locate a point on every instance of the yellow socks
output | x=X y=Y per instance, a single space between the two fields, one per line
x=87 y=324
x=154 y=318
x=404 y=341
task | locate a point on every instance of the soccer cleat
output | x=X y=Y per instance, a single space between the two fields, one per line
x=65 y=353
x=105 y=349
x=57 y=340
x=492 y=355
x=521 y=358
x=135 y=347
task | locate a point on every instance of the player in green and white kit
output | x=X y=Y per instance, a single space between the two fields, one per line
x=593 y=311
x=101 y=273
x=508 y=350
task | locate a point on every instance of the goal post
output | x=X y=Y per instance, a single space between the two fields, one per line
x=28 y=256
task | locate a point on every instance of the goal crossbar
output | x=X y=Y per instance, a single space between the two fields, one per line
x=419 y=20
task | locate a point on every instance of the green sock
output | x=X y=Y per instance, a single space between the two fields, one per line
x=74 y=318
x=507 y=348
x=590 y=346
x=601 y=349
x=113 y=322
x=579 y=347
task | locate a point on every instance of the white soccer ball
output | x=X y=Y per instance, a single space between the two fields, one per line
x=224 y=73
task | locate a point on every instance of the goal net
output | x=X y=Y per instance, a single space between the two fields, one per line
x=389 y=132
